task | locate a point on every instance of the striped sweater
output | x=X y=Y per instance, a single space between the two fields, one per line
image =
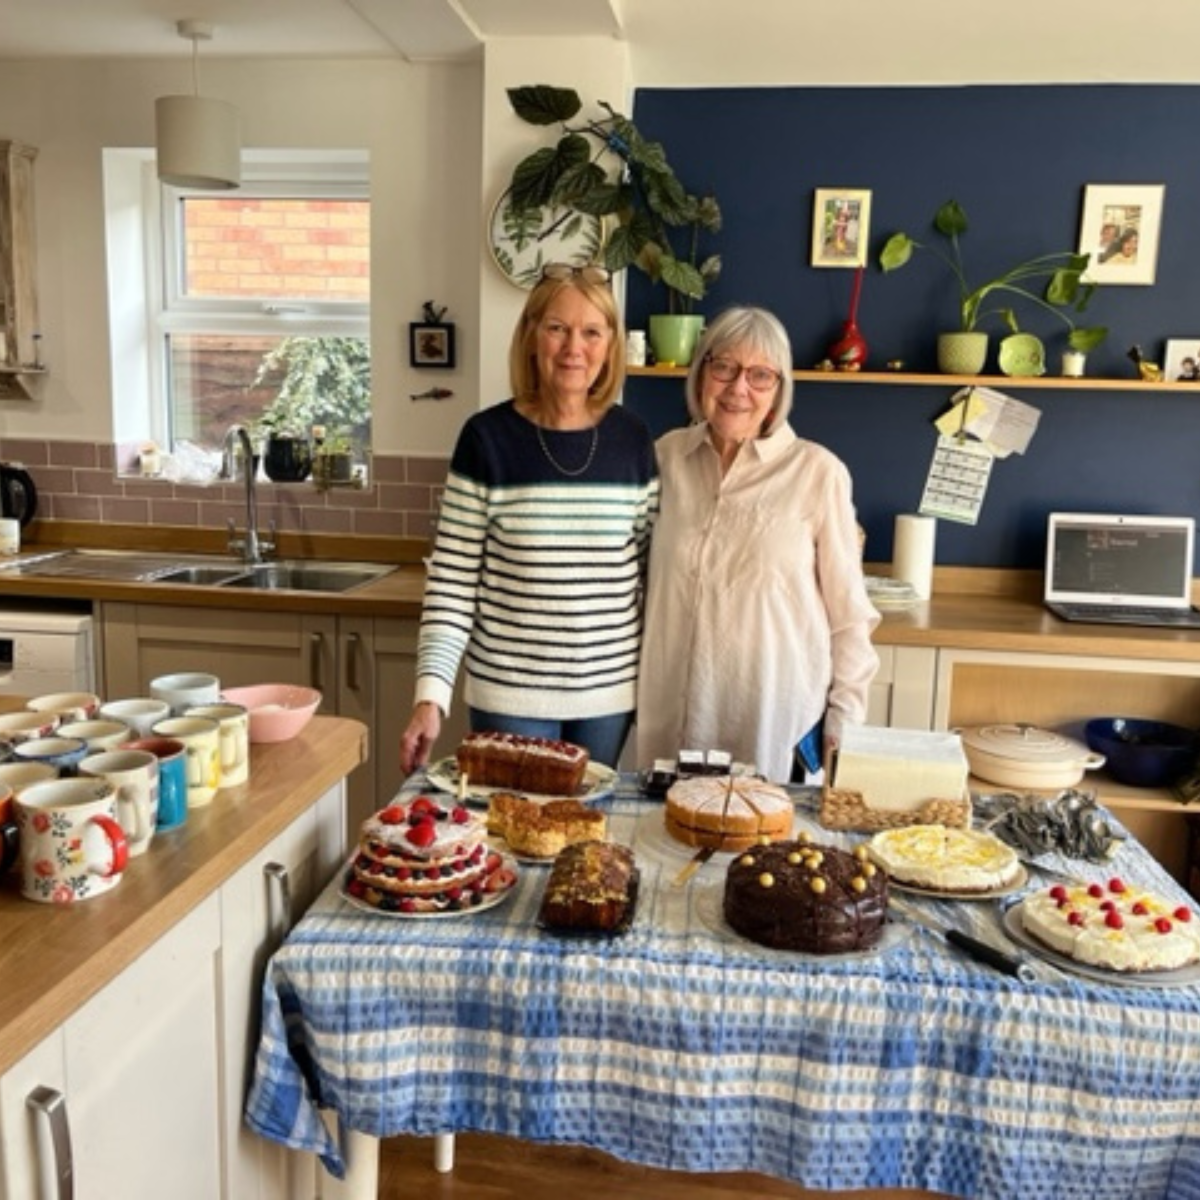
x=536 y=576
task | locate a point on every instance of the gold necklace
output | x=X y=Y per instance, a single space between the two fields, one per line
x=554 y=461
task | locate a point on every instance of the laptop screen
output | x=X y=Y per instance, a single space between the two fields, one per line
x=1116 y=560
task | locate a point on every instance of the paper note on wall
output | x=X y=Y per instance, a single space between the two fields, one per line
x=1006 y=426
x=957 y=481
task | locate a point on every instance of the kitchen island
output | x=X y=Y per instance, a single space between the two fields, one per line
x=140 y=1006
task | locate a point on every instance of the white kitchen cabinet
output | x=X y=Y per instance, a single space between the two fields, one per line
x=258 y=906
x=902 y=692
x=137 y=1068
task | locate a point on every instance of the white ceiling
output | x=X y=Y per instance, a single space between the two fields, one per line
x=410 y=29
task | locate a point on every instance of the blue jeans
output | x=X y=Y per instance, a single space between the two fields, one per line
x=602 y=737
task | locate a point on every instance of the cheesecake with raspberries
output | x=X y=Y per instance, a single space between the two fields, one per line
x=1115 y=925
x=425 y=856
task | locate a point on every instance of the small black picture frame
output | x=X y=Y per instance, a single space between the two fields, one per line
x=431 y=345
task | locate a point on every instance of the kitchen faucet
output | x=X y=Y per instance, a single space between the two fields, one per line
x=251 y=547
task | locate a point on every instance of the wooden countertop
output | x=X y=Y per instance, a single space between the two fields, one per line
x=55 y=958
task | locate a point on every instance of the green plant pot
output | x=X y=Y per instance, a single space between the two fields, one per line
x=673 y=339
x=962 y=353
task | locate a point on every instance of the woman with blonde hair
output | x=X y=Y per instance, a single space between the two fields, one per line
x=537 y=569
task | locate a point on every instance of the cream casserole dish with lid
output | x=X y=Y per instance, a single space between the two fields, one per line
x=1025 y=756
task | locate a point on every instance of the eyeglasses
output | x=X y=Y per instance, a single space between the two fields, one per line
x=590 y=273
x=760 y=379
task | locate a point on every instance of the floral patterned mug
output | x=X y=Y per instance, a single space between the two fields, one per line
x=71 y=843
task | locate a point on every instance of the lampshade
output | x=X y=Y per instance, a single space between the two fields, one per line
x=199 y=142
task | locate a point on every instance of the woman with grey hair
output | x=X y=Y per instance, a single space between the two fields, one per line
x=758 y=625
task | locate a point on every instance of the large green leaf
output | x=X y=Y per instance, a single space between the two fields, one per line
x=537 y=179
x=950 y=219
x=681 y=277
x=541 y=104
x=896 y=251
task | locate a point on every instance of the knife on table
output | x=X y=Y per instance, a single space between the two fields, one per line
x=981 y=951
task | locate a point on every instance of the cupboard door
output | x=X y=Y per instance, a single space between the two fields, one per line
x=142 y=1067
x=258 y=906
x=26 y=1157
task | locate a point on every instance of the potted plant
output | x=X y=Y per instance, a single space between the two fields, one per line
x=605 y=167
x=965 y=352
x=333 y=460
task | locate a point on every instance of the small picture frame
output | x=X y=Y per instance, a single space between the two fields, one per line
x=1182 y=363
x=841 y=227
x=430 y=345
x=1120 y=230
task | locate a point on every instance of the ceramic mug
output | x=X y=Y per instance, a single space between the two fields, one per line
x=72 y=845
x=172 y=778
x=140 y=713
x=99 y=735
x=201 y=737
x=134 y=773
x=233 y=722
x=69 y=706
x=9 y=838
x=64 y=754
x=19 y=775
x=26 y=724
x=186 y=689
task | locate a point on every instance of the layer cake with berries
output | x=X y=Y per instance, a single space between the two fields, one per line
x=797 y=895
x=1117 y=926
x=425 y=857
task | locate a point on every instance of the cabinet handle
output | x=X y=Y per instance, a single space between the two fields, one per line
x=51 y=1106
x=316 y=643
x=353 y=644
x=279 y=885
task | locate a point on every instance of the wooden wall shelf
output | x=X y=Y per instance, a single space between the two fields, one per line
x=912 y=379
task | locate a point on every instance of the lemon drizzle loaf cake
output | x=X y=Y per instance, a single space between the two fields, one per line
x=522 y=764
x=727 y=812
x=942 y=859
x=795 y=895
x=1116 y=925
x=424 y=857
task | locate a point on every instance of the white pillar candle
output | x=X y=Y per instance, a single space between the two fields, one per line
x=912 y=552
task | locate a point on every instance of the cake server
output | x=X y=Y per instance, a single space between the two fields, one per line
x=693 y=865
x=981 y=951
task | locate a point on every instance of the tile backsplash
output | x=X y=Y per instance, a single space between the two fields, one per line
x=78 y=481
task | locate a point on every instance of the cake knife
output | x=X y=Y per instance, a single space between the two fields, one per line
x=979 y=950
x=705 y=852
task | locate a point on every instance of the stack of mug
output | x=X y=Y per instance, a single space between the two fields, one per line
x=88 y=784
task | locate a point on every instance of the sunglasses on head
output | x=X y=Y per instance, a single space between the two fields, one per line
x=591 y=273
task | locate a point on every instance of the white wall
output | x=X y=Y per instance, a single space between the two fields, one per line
x=421 y=126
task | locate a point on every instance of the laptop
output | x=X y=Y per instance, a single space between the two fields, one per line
x=1121 y=570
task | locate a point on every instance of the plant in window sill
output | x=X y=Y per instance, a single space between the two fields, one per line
x=333 y=462
x=1062 y=273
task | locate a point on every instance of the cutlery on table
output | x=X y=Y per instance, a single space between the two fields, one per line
x=979 y=950
x=706 y=852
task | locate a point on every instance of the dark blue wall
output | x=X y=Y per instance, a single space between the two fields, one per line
x=1017 y=159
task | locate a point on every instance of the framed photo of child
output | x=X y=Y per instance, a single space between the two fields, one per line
x=841 y=227
x=1182 y=363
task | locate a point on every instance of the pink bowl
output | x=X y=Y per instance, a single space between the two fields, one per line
x=278 y=711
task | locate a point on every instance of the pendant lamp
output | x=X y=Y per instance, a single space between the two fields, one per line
x=199 y=141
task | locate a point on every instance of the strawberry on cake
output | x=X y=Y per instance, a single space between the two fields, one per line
x=1118 y=926
x=425 y=857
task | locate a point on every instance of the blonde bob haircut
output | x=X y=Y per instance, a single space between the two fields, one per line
x=743 y=330
x=522 y=353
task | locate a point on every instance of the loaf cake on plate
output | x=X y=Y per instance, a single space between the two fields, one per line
x=522 y=764
x=592 y=888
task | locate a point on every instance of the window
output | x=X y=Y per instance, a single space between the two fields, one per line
x=255 y=304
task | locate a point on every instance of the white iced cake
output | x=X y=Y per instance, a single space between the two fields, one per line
x=900 y=769
x=942 y=859
x=1117 y=926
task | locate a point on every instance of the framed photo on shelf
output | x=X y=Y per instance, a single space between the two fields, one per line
x=1182 y=363
x=841 y=227
x=1119 y=229
x=430 y=345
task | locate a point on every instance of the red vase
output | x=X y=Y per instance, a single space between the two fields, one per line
x=849 y=352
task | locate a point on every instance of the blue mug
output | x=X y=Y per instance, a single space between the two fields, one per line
x=172 y=778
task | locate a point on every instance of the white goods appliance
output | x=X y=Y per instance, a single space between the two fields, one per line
x=45 y=649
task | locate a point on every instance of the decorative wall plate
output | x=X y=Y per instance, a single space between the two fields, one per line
x=522 y=244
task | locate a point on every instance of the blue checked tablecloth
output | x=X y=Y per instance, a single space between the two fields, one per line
x=680 y=1045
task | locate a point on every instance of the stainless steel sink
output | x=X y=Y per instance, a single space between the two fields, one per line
x=131 y=566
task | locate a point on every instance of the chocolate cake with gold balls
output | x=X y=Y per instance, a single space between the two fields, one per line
x=796 y=895
x=425 y=856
